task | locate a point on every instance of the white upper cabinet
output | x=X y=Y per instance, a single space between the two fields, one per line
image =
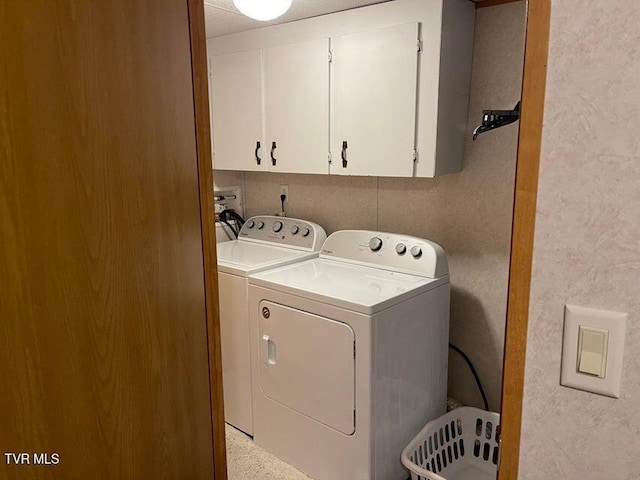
x=375 y=81
x=236 y=96
x=386 y=87
x=297 y=106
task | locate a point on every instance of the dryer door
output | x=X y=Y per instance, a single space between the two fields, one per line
x=307 y=364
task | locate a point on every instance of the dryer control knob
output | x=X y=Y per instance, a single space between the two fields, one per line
x=295 y=229
x=401 y=249
x=375 y=244
x=416 y=252
x=251 y=224
x=260 y=225
x=277 y=226
x=305 y=232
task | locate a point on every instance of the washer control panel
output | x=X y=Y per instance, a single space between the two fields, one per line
x=375 y=244
x=390 y=251
x=283 y=231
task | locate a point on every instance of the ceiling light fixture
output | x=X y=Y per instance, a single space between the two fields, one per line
x=262 y=10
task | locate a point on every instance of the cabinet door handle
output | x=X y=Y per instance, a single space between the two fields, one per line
x=273 y=149
x=258 y=159
x=344 y=154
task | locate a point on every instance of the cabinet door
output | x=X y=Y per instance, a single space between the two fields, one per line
x=237 y=111
x=375 y=102
x=297 y=107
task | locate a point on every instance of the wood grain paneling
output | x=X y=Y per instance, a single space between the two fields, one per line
x=103 y=341
x=207 y=217
x=526 y=190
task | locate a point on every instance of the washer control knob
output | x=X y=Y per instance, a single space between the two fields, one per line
x=295 y=229
x=277 y=226
x=375 y=244
x=416 y=252
x=251 y=224
x=260 y=225
x=401 y=249
x=305 y=232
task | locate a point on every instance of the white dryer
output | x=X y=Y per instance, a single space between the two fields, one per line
x=264 y=242
x=350 y=354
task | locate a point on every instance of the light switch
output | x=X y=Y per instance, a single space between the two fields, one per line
x=592 y=351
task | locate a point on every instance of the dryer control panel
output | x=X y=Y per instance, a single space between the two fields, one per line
x=390 y=251
x=283 y=231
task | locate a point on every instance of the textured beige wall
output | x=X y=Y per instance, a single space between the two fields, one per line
x=587 y=240
x=468 y=213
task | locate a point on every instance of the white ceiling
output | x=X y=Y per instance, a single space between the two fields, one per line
x=223 y=18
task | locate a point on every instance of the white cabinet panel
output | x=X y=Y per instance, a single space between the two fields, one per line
x=374 y=108
x=297 y=106
x=237 y=111
x=384 y=98
x=307 y=363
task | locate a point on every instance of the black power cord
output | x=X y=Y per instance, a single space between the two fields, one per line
x=226 y=216
x=235 y=216
x=283 y=197
x=475 y=374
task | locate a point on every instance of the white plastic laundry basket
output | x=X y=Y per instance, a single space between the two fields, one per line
x=461 y=445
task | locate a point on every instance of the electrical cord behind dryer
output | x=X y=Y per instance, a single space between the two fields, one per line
x=473 y=371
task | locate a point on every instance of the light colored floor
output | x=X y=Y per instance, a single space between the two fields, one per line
x=247 y=461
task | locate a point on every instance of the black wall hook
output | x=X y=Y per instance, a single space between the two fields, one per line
x=496 y=118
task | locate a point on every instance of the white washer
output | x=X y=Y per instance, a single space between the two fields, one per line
x=349 y=354
x=224 y=233
x=264 y=242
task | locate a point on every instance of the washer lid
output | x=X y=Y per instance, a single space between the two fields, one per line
x=243 y=258
x=354 y=287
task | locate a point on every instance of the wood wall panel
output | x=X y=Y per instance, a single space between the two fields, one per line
x=207 y=214
x=524 y=218
x=103 y=341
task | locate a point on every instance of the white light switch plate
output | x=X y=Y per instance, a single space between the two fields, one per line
x=615 y=323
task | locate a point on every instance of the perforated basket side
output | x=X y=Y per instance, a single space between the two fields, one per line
x=463 y=434
x=485 y=433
